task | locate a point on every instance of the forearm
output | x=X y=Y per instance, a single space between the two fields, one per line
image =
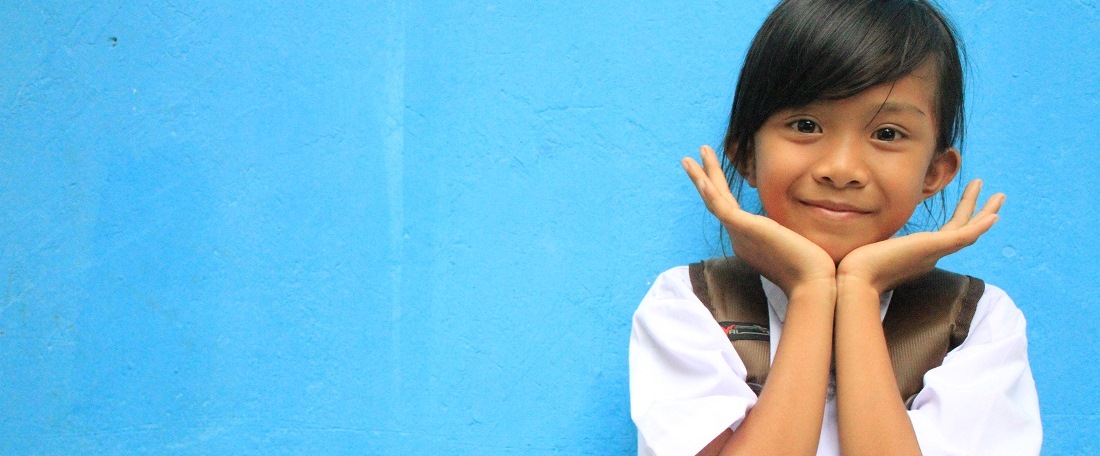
x=787 y=417
x=872 y=418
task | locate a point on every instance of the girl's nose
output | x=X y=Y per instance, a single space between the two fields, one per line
x=841 y=166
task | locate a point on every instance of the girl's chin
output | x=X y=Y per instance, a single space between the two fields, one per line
x=837 y=258
x=840 y=248
x=837 y=252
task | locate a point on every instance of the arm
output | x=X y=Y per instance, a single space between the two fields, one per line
x=982 y=400
x=686 y=380
x=871 y=416
x=787 y=417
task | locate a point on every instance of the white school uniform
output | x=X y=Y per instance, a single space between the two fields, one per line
x=687 y=383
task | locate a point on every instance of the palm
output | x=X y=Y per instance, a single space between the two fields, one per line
x=886 y=263
x=783 y=256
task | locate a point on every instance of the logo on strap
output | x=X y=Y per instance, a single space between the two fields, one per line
x=745 y=331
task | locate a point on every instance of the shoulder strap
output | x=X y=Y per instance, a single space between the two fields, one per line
x=927 y=318
x=731 y=291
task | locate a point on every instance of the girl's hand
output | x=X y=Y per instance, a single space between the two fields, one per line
x=783 y=256
x=885 y=264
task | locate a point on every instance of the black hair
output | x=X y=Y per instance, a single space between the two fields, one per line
x=810 y=50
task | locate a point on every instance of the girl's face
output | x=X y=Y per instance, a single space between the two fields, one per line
x=850 y=172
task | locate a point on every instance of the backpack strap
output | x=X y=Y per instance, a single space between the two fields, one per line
x=927 y=318
x=731 y=290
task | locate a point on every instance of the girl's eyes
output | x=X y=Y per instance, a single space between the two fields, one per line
x=885 y=134
x=806 y=126
x=888 y=134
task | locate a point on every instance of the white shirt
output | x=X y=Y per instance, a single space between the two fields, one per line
x=687 y=383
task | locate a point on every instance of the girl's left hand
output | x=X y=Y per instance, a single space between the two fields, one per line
x=884 y=264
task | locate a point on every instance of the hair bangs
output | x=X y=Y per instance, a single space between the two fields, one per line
x=843 y=50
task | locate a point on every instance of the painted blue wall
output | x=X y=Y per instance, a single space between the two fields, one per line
x=390 y=228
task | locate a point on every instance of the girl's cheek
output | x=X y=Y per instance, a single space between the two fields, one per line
x=770 y=202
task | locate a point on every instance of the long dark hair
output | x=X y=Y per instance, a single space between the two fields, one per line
x=809 y=50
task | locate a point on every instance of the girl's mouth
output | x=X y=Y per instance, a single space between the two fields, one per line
x=835 y=209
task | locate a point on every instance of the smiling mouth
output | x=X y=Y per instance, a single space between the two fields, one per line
x=834 y=209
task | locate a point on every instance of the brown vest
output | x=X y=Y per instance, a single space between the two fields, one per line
x=928 y=317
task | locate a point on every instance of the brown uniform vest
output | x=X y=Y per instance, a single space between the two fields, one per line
x=927 y=317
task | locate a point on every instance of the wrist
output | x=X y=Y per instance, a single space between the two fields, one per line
x=822 y=289
x=848 y=279
x=856 y=288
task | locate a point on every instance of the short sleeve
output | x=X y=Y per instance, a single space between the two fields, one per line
x=687 y=383
x=982 y=399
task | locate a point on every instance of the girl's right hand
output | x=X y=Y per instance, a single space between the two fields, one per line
x=787 y=416
x=786 y=258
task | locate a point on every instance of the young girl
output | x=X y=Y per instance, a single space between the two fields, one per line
x=845 y=118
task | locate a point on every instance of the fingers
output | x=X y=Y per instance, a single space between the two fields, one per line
x=966 y=226
x=985 y=218
x=964 y=212
x=717 y=176
x=977 y=226
x=711 y=183
x=703 y=185
x=992 y=205
x=696 y=173
x=711 y=165
x=966 y=205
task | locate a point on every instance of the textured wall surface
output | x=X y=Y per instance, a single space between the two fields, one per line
x=393 y=228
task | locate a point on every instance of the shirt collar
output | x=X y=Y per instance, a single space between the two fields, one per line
x=778 y=300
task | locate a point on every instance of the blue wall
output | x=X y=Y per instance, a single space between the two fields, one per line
x=388 y=228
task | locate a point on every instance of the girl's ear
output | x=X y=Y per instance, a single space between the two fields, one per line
x=748 y=170
x=941 y=171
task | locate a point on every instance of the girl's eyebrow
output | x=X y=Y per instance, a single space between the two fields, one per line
x=897 y=107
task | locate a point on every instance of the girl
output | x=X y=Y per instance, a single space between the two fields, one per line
x=844 y=120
